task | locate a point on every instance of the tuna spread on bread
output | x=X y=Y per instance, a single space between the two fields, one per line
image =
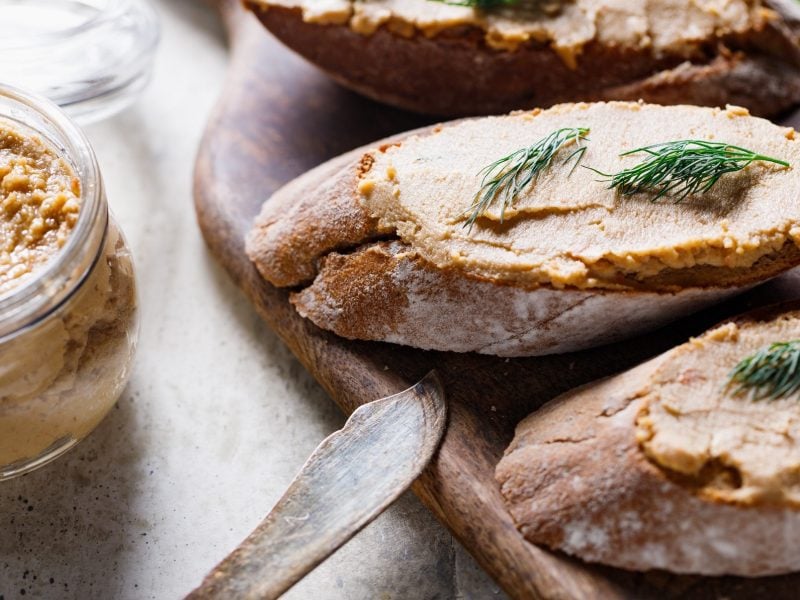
x=569 y=228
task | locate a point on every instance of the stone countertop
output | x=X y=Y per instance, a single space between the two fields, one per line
x=218 y=416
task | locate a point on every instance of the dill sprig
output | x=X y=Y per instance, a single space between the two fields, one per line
x=772 y=372
x=683 y=168
x=508 y=176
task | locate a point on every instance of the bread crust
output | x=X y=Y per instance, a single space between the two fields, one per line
x=384 y=291
x=294 y=228
x=359 y=281
x=456 y=74
x=575 y=479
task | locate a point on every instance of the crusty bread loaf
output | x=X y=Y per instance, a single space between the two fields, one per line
x=433 y=58
x=384 y=291
x=664 y=467
x=375 y=247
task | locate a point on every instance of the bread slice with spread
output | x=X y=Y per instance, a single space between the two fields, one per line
x=410 y=243
x=688 y=463
x=438 y=58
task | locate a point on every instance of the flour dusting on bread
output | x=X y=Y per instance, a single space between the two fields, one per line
x=375 y=247
x=612 y=499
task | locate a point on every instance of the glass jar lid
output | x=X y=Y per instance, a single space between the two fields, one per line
x=92 y=57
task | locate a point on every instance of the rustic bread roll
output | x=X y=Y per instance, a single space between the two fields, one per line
x=664 y=466
x=451 y=60
x=375 y=244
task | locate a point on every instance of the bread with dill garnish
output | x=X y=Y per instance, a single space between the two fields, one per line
x=667 y=466
x=375 y=247
x=441 y=59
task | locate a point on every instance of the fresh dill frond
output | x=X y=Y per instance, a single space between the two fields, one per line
x=682 y=168
x=772 y=372
x=508 y=176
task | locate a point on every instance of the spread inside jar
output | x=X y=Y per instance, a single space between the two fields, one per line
x=60 y=374
x=39 y=204
x=568 y=26
x=568 y=228
x=718 y=439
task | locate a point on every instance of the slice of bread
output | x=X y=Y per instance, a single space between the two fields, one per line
x=447 y=60
x=375 y=246
x=665 y=466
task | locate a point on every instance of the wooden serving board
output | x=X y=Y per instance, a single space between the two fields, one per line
x=279 y=117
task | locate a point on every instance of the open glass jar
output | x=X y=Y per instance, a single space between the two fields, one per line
x=91 y=57
x=68 y=327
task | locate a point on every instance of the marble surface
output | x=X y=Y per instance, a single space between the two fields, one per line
x=218 y=416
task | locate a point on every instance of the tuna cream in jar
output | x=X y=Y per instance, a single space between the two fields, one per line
x=68 y=319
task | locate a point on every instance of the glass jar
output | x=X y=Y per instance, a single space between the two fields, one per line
x=68 y=329
x=92 y=57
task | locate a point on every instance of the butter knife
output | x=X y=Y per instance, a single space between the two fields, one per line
x=352 y=476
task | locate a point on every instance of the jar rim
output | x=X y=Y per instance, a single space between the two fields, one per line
x=48 y=287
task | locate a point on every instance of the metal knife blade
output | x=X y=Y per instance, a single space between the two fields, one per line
x=350 y=478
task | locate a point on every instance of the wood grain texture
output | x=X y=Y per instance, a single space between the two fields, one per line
x=351 y=477
x=278 y=118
